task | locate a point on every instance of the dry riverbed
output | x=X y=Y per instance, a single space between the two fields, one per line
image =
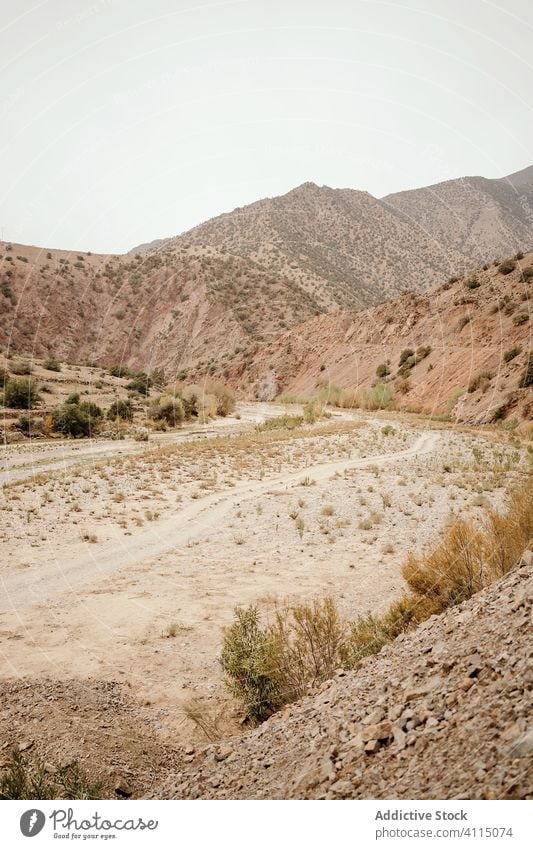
x=127 y=568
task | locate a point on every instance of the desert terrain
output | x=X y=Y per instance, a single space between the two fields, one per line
x=122 y=562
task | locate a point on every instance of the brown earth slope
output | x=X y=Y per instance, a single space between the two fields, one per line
x=478 y=330
x=443 y=712
x=208 y=297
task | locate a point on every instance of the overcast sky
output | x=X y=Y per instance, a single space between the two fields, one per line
x=128 y=120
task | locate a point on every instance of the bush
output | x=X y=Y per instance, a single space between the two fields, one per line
x=526 y=378
x=225 y=399
x=141 y=383
x=250 y=664
x=520 y=318
x=21 y=367
x=511 y=353
x=284 y=422
x=507 y=266
x=52 y=365
x=92 y=410
x=267 y=667
x=527 y=273
x=25 y=780
x=169 y=408
x=406 y=353
x=120 y=371
x=472 y=283
x=30 y=425
x=380 y=397
x=72 y=420
x=73 y=398
x=120 y=410
x=382 y=370
x=21 y=394
x=480 y=381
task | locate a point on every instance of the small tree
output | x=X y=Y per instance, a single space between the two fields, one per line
x=71 y=420
x=120 y=410
x=21 y=394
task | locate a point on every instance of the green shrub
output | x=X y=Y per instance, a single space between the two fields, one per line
x=472 y=283
x=25 y=780
x=527 y=273
x=284 y=422
x=250 y=663
x=520 y=318
x=267 y=667
x=141 y=383
x=52 y=364
x=21 y=393
x=120 y=370
x=120 y=410
x=30 y=425
x=380 y=397
x=92 y=409
x=72 y=420
x=511 y=353
x=73 y=398
x=382 y=370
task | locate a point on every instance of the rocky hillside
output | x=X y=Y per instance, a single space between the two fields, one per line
x=170 y=308
x=441 y=713
x=479 y=218
x=207 y=299
x=469 y=341
x=348 y=249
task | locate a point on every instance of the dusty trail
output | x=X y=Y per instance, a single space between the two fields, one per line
x=44 y=582
x=22 y=463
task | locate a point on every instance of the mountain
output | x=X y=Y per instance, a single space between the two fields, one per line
x=211 y=297
x=481 y=219
x=469 y=337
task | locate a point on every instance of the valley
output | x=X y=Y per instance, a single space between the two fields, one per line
x=121 y=570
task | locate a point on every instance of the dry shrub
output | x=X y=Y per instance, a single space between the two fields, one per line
x=453 y=571
x=311 y=641
x=205 y=717
x=269 y=666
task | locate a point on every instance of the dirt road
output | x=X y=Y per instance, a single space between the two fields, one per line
x=48 y=580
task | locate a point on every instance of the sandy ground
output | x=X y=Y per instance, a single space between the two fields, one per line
x=125 y=564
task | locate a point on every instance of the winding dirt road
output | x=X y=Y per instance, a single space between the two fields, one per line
x=46 y=581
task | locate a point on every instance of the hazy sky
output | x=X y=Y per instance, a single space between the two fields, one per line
x=127 y=120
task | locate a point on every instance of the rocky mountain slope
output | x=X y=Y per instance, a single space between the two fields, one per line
x=470 y=342
x=440 y=713
x=478 y=218
x=167 y=309
x=348 y=249
x=207 y=299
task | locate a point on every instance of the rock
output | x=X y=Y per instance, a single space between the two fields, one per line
x=223 y=752
x=523 y=745
x=371 y=746
x=27 y=744
x=399 y=737
x=122 y=788
x=466 y=683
